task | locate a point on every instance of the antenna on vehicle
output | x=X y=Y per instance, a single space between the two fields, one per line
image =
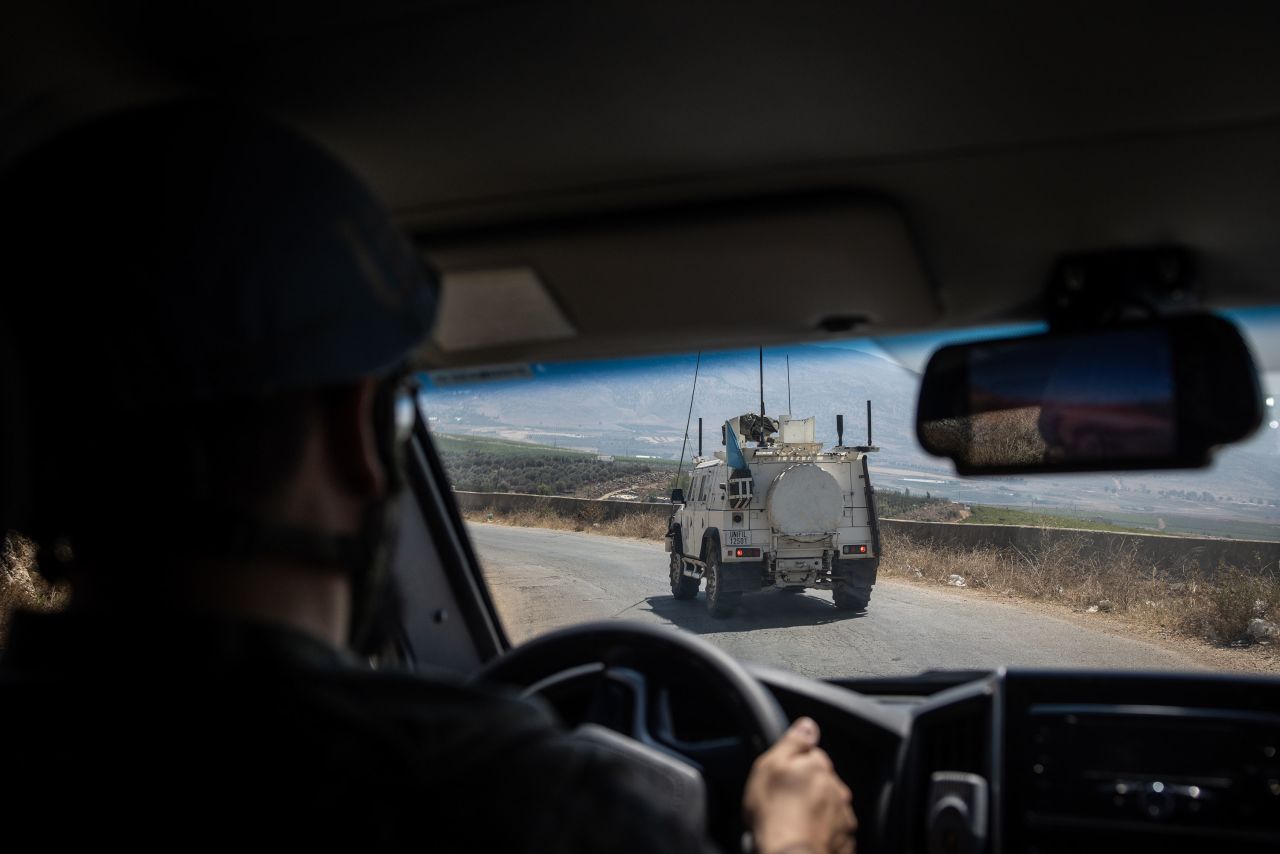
x=761 y=383
x=867 y=447
x=839 y=431
x=788 y=384
x=679 y=468
x=699 y=435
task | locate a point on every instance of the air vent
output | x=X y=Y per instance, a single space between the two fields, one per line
x=960 y=742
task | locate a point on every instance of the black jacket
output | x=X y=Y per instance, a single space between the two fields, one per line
x=182 y=732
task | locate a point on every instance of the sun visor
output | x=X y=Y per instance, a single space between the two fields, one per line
x=748 y=273
x=488 y=308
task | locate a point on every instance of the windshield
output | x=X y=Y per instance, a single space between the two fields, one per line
x=837 y=547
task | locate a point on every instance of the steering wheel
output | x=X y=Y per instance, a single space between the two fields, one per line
x=636 y=666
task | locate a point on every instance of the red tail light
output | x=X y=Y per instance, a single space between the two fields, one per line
x=859 y=549
x=747 y=552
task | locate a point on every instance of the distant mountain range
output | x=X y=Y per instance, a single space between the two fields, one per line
x=639 y=407
x=645 y=405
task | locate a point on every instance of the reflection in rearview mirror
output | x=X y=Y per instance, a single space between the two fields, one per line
x=1155 y=395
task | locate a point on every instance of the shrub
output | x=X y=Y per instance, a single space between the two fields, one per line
x=21 y=586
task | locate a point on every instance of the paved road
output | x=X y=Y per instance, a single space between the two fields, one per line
x=545 y=579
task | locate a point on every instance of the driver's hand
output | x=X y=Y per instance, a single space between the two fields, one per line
x=794 y=802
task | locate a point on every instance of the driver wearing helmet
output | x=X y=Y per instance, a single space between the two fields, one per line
x=203 y=333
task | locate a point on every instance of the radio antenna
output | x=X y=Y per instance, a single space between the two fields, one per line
x=688 y=420
x=788 y=384
x=762 y=385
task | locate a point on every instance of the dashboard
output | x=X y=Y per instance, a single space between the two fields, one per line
x=1048 y=761
x=1036 y=761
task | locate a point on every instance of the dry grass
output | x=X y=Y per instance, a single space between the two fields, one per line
x=591 y=519
x=1008 y=437
x=21 y=586
x=999 y=438
x=1215 y=605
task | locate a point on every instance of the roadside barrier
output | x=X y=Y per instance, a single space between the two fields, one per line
x=1157 y=550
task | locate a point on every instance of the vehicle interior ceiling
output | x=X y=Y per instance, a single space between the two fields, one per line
x=988 y=142
x=913 y=172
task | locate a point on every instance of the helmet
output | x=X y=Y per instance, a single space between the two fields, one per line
x=170 y=257
x=235 y=256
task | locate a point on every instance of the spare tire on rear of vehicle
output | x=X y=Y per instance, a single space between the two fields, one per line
x=804 y=499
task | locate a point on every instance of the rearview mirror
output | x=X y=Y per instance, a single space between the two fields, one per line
x=677 y=496
x=1159 y=394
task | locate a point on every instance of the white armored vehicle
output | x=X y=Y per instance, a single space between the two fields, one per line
x=782 y=513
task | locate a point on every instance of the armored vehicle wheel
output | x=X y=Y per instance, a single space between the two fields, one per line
x=719 y=603
x=682 y=586
x=852 y=597
x=853 y=591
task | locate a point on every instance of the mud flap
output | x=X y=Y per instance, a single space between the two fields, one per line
x=862 y=570
x=741 y=577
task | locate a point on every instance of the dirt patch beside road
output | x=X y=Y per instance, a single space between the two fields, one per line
x=639 y=485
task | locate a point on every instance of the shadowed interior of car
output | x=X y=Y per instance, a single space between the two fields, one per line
x=608 y=180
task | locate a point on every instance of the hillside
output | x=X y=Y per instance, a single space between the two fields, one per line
x=477 y=464
x=637 y=409
x=491 y=465
x=633 y=408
